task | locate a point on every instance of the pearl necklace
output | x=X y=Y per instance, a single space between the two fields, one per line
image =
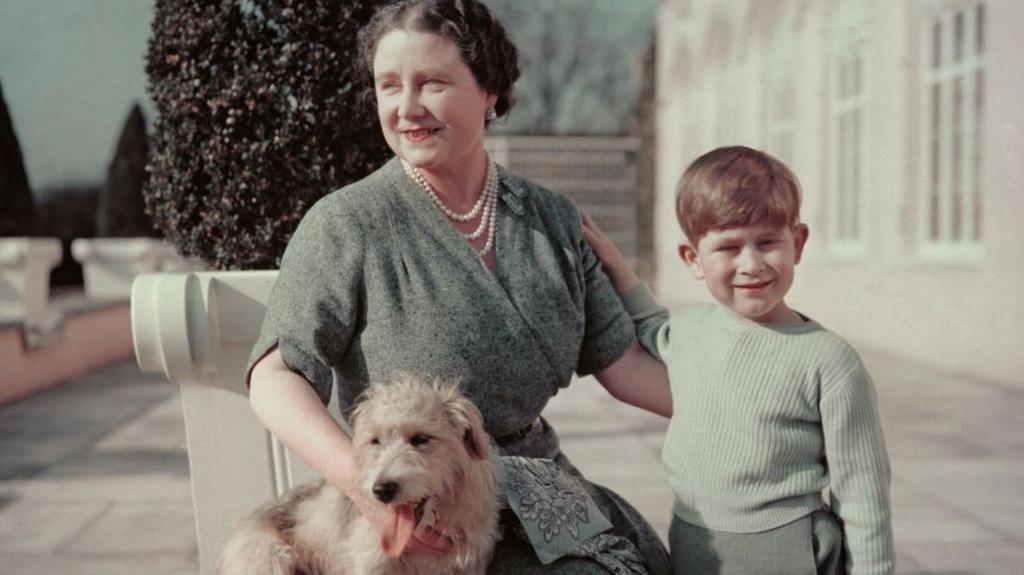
x=487 y=203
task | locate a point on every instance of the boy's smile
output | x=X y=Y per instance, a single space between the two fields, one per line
x=749 y=269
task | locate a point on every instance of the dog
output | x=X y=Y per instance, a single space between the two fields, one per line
x=423 y=453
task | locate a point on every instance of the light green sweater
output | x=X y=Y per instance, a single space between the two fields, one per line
x=765 y=416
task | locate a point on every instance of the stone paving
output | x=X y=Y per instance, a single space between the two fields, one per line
x=94 y=474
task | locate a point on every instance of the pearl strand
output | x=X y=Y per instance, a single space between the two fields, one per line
x=452 y=214
x=488 y=202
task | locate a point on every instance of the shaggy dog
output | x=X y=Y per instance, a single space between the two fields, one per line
x=423 y=452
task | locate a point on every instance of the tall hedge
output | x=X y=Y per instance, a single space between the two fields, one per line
x=259 y=115
x=17 y=209
x=122 y=211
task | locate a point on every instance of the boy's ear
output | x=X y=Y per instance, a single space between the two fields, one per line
x=691 y=258
x=800 y=234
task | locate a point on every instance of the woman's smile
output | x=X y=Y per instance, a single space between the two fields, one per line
x=420 y=134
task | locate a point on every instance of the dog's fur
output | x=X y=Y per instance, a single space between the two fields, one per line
x=316 y=530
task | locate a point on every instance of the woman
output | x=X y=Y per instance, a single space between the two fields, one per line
x=441 y=263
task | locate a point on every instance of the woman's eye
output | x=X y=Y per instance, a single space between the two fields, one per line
x=419 y=439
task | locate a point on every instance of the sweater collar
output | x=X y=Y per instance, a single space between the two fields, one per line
x=739 y=322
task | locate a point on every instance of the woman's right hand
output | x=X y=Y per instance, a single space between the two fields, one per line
x=615 y=266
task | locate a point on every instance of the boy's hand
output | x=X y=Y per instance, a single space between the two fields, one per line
x=611 y=258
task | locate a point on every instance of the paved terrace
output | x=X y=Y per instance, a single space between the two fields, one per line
x=94 y=475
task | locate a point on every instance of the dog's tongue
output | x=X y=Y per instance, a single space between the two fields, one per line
x=401 y=519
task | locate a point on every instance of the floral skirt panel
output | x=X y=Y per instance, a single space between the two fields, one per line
x=556 y=511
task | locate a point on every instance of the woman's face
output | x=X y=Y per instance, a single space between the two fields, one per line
x=430 y=106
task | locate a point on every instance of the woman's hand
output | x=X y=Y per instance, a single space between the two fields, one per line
x=615 y=265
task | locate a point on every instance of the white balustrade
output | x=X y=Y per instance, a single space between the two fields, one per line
x=198 y=329
x=25 y=265
x=110 y=264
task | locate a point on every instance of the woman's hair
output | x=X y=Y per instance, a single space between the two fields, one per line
x=480 y=38
x=736 y=186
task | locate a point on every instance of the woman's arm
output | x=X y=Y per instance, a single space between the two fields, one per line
x=287 y=406
x=640 y=380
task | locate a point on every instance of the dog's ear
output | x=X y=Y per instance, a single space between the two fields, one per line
x=467 y=417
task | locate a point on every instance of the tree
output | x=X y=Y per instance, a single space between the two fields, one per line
x=122 y=211
x=576 y=57
x=17 y=209
x=259 y=115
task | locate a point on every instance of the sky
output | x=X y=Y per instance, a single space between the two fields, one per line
x=72 y=69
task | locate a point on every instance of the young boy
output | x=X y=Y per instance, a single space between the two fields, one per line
x=769 y=408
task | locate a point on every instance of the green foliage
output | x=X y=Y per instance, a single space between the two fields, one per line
x=122 y=211
x=259 y=115
x=17 y=212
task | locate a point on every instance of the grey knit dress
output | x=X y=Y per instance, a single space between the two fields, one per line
x=375 y=279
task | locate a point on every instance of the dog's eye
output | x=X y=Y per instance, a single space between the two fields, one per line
x=419 y=439
x=374 y=441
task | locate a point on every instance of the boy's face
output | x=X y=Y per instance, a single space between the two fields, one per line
x=749 y=269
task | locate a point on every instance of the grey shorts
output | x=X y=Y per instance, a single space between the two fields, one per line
x=810 y=545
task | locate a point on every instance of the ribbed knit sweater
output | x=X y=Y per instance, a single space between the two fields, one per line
x=765 y=417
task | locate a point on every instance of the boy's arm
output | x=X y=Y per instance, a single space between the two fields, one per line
x=858 y=469
x=622 y=276
x=649 y=318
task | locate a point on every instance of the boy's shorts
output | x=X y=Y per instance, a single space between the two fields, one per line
x=810 y=545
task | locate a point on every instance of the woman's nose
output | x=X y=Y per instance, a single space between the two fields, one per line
x=409 y=106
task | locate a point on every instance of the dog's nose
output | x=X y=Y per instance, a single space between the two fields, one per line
x=385 y=490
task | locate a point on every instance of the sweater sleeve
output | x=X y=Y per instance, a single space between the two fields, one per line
x=312 y=313
x=650 y=319
x=858 y=466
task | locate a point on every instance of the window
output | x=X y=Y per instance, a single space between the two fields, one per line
x=953 y=123
x=847 y=161
x=847 y=121
x=780 y=107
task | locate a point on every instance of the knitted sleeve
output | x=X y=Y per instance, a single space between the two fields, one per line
x=312 y=311
x=649 y=318
x=858 y=464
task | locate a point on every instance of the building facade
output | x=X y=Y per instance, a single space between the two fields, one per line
x=902 y=121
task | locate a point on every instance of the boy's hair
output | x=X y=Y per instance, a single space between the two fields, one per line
x=736 y=186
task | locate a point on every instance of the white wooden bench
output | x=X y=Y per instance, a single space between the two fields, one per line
x=198 y=329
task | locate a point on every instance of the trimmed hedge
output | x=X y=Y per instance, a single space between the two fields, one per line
x=122 y=211
x=259 y=115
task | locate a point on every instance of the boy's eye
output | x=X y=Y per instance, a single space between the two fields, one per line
x=419 y=439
